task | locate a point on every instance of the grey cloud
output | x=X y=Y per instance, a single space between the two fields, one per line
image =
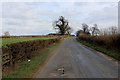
x=22 y=17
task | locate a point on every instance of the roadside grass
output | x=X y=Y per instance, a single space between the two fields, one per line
x=111 y=53
x=27 y=69
x=5 y=41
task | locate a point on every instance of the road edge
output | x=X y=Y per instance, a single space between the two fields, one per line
x=100 y=53
x=47 y=59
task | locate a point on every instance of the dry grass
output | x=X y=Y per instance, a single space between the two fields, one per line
x=109 y=42
x=106 y=41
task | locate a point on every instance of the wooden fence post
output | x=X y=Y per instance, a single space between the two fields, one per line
x=11 y=58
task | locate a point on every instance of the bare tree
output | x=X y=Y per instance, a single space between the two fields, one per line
x=95 y=30
x=85 y=28
x=61 y=25
x=6 y=33
x=69 y=30
x=113 y=30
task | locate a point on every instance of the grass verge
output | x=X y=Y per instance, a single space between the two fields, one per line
x=27 y=69
x=111 y=53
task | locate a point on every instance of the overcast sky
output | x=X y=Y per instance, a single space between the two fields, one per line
x=33 y=18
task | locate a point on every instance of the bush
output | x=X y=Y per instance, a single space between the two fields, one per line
x=107 y=41
x=25 y=50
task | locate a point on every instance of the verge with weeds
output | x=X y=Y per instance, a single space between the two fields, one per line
x=109 y=52
x=28 y=68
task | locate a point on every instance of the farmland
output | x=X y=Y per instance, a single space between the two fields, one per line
x=14 y=40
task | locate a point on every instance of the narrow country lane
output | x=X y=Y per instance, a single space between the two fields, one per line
x=78 y=61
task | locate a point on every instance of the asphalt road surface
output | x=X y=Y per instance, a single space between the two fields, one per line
x=73 y=60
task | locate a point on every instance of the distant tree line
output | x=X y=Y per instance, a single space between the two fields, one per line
x=62 y=27
x=95 y=31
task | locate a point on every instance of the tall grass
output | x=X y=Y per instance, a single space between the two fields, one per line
x=109 y=42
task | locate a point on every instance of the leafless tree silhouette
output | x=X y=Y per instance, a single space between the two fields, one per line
x=62 y=26
x=95 y=30
x=85 y=28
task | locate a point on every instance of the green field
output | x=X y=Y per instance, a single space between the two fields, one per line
x=5 y=41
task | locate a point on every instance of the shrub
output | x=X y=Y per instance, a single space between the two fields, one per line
x=25 y=50
x=107 y=41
